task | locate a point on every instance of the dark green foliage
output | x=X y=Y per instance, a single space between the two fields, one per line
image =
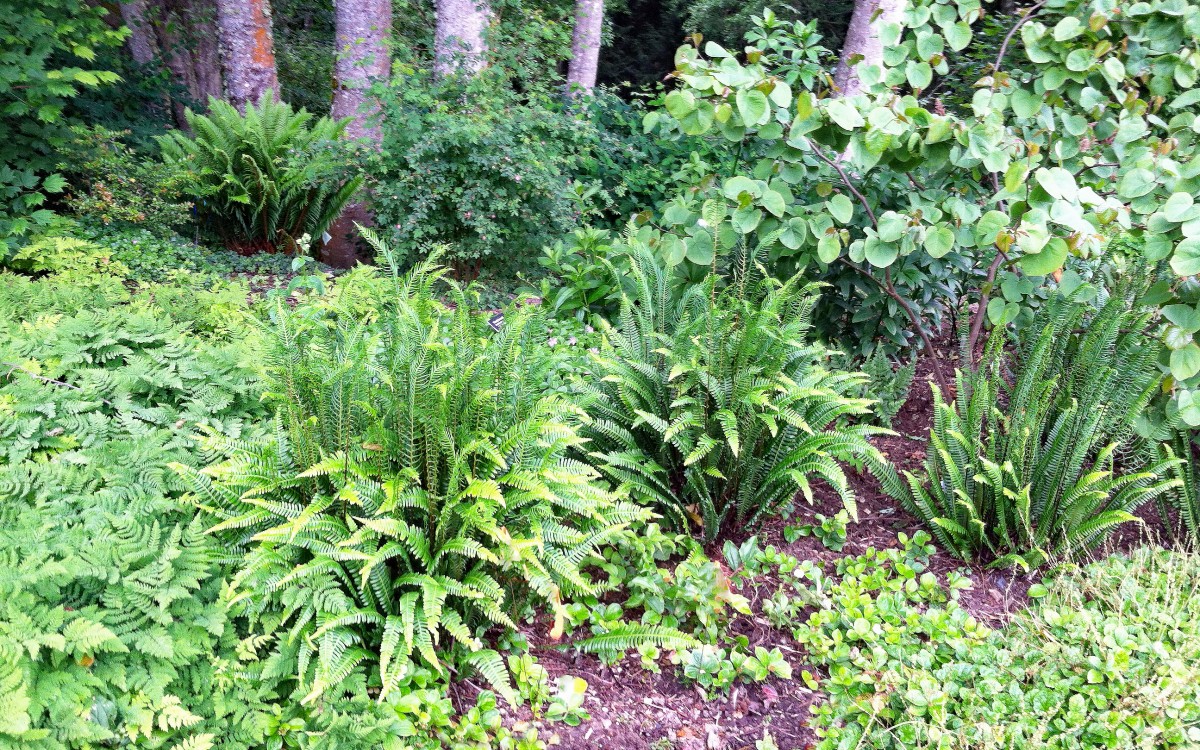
x=1184 y=498
x=1024 y=471
x=265 y=181
x=492 y=180
x=417 y=487
x=47 y=51
x=713 y=407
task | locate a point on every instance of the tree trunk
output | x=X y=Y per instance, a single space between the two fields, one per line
x=585 y=47
x=142 y=46
x=459 y=44
x=187 y=34
x=247 y=50
x=362 y=59
x=363 y=28
x=862 y=45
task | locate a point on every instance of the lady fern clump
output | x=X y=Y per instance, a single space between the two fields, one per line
x=266 y=179
x=1024 y=470
x=417 y=491
x=713 y=407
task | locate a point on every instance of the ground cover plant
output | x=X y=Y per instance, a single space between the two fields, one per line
x=783 y=398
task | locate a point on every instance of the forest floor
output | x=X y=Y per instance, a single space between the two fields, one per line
x=632 y=709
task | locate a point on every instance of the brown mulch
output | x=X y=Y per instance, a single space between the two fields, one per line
x=632 y=709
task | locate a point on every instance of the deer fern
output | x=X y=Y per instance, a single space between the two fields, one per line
x=1024 y=472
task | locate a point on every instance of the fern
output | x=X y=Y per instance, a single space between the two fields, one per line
x=266 y=179
x=712 y=407
x=417 y=489
x=1025 y=472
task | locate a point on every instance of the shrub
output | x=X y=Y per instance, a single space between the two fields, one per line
x=1027 y=472
x=712 y=407
x=491 y=181
x=265 y=181
x=417 y=488
x=110 y=183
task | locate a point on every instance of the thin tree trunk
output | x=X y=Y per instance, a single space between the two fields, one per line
x=459 y=43
x=862 y=45
x=363 y=28
x=142 y=45
x=247 y=50
x=202 y=23
x=585 y=47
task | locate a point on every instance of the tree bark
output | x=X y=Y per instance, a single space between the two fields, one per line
x=363 y=28
x=247 y=50
x=862 y=45
x=142 y=45
x=585 y=47
x=459 y=43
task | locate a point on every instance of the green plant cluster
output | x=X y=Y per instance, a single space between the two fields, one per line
x=1105 y=657
x=418 y=488
x=713 y=407
x=266 y=180
x=1024 y=471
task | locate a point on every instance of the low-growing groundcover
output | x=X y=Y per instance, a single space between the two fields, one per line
x=1107 y=657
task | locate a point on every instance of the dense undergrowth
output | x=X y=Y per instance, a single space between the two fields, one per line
x=247 y=503
x=126 y=620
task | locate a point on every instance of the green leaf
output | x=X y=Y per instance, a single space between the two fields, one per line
x=782 y=94
x=841 y=208
x=753 y=106
x=1178 y=207
x=844 y=114
x=1025 y=103
x=1136 y=183
x=1058 y=182
x=1037 y=591
x=919 y=74
x=939 y=241
x=735 y=186
x=880 y=254
x=1184 y=316
x=989 y=226
x=1185 y=362
x=1049 y=260
x=680 y=104
x=1080 y=60
x=774 y=202
x=829 y=247
x=958 y=36
x=1068 y=28
x=1185 y=261
x=892 y=226
x=700 y=249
